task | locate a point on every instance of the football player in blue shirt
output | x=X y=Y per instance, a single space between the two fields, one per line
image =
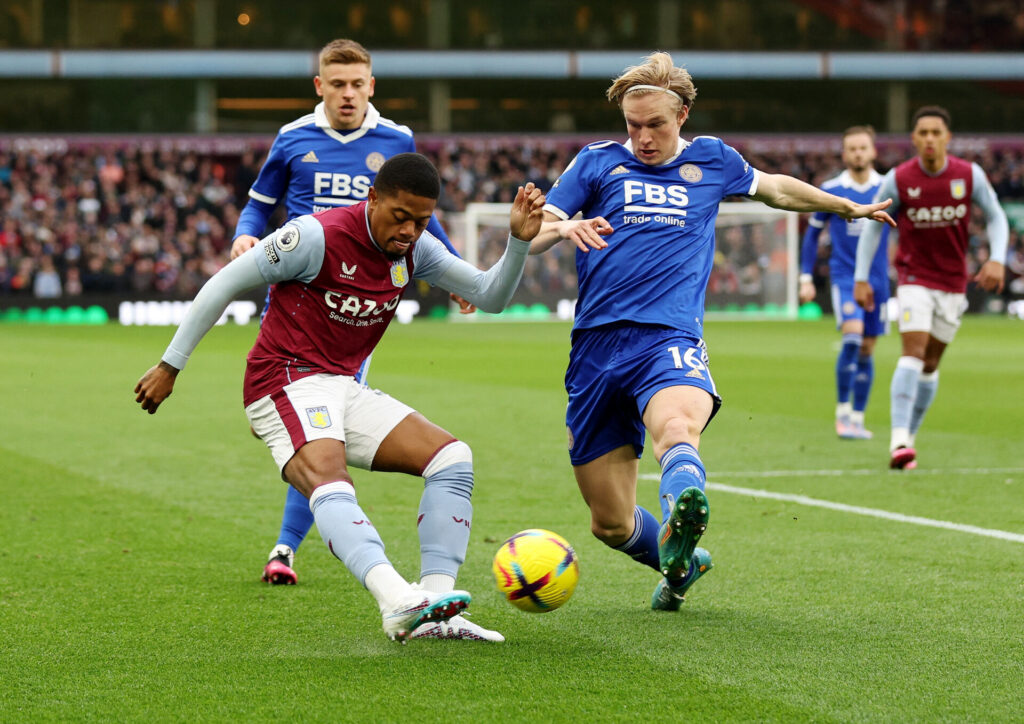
x=855 y=367
x=638 y=361
x=324 y=159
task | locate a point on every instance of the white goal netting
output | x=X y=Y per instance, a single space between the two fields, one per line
x=754 y=274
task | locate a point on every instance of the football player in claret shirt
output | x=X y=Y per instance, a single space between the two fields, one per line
x=638 y=361
x=855 y=367
x=325 y=159
x=933 y=194
x=339 y=276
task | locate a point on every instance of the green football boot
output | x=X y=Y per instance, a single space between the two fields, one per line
x=668 y=598
x=679 y=534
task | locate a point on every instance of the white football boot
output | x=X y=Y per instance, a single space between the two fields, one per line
x=457 y=627
x=421 y=607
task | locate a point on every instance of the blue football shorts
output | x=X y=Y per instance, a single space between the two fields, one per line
x=846 y=309
x=614 y=371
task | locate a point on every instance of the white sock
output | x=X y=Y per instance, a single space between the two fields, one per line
x=387 y=586
x=900 y=438
x=843 y=409
x=857 y=417
x=438 y=583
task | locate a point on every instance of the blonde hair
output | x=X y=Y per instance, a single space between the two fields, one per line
x=344 y=51
x=853 y=130
x=657 y=70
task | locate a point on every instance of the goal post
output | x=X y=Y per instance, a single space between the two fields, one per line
x=754 y=275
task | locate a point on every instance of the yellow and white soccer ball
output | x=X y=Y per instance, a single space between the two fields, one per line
x=537 y=570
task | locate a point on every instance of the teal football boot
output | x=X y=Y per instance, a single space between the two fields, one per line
x=669 y=598
x=678 y=536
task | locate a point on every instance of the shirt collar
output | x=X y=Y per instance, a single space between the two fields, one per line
x=847 y=182
x=370 y=122
x=680 y=147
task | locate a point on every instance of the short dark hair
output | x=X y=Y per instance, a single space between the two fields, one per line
x=411 y=172
x=937 y=111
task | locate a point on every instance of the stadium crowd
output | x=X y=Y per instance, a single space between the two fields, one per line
x=157 y=220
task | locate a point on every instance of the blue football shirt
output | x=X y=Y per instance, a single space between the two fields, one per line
x=844 y=234
x=656 y=267
x=312 y=167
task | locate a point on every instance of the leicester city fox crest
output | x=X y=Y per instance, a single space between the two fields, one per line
x=400 y=273
x=689 y=172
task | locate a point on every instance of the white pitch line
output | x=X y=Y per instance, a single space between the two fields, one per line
x=861 y=471
x=871 y=512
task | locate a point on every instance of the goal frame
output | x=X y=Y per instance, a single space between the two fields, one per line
x=477 y=211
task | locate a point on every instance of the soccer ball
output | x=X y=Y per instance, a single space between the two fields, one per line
x=537 y=570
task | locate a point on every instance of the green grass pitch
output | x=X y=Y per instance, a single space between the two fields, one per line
x=132 y=545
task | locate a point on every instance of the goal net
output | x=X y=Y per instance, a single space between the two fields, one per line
x=754 y=274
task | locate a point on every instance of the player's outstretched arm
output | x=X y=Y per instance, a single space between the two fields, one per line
x=492 y=289
x=584 y=233
x=785 y=192
x=240 y=275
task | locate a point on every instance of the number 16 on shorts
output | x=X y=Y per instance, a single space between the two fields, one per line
x=693 y=359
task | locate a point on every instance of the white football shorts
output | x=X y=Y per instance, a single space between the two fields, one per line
x=930 y=310
x=325 y=406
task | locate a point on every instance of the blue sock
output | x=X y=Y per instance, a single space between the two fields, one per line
x=296 y=521
x=445 y=518
x=681 y=468
x=862 y=382
x=346 y=530
x=642 y=546
x=927 y=386
x=904 y=390
x=846 y=365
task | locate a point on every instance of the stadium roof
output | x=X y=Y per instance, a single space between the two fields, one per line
x=447 y=64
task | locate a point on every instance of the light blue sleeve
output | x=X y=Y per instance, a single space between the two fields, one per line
x=295 y=251
x=871 y=234
x=997 y=226
x=239 y=276
x=490 y=290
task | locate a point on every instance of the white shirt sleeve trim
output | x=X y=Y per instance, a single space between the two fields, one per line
x=261 y=197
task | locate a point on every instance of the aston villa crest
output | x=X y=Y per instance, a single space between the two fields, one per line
x=318 y=417
x=400 y=273
x=958 y=187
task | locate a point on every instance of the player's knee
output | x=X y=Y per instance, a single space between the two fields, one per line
x=454 y=453
x=451 y=466
x=681 y=428
x=609 y=531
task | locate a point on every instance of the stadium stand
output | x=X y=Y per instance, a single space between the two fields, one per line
x=136 y=216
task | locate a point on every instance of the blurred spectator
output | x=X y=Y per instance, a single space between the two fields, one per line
x=85 y=218
x=46 y=284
